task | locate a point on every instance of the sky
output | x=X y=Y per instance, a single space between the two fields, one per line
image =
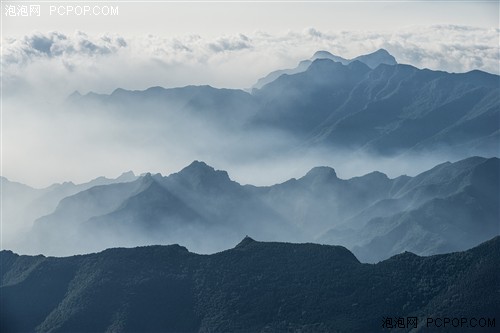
x=224 y=44
x=213 y=18
x=174 y=44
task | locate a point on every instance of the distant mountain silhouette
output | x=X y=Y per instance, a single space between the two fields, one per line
x=256 y=286
x=22 y=204
x=369 y=103
x=233 y=106
x=451 y=207
x=372 y=60
x=198 y=204
x=388 y=110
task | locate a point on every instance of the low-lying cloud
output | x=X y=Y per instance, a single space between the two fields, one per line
x=42 y=69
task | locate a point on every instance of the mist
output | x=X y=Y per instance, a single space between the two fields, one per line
x=71 y=142
x=80 y=139
x=59 y=145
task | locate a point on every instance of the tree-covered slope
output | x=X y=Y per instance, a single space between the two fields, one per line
x=254 y=287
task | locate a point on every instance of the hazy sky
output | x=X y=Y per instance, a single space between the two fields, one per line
x=213 y=18
x=175 y=43
x=224 y=44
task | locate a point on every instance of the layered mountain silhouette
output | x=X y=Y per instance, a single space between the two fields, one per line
x=369 y=103
x=22 y=204
x=451 y=207
x=366 y=106
x=256 y=286
x=448 y=208
x=211 y=105
x=198 y=205
x=372 y=60
x=387 y=110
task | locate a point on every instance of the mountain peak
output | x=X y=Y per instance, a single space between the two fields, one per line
x=127 y=176
x=321 y=54
x=322 y=172
x=327 y=55
x=372 y=60
x=245 y=242
x=381 y=51
x=198 y=166
x=119 y=92
x=376 y=175
x=199 y=172
x=75 y=94
x=325 y=67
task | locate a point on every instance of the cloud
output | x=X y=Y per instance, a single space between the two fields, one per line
x=103 y=63
x=240 y=42
x=57 y=45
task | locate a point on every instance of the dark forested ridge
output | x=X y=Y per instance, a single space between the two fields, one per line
x=254 y=287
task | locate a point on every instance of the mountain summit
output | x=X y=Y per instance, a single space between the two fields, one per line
x=450 y=207
x=372 y=60
x=376 y=58
x=200 y=175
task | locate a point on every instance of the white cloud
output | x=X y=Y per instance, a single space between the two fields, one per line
x=102 y=63
x=57 y=45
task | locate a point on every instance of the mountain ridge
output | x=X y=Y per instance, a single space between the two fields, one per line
x=200 y=205
x=251 y=287
x=372 y=60
x=389 y=110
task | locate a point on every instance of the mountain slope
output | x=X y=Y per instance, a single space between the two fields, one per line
x=448 y=208
x=372 y=60
x=22 y=204
x=258 y=287
x=299 y=103
x=451 y=207
x=399 y=108
x=199 y=205
x=369 y=104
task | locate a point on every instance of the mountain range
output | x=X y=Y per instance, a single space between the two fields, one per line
x=22 y=204
x=452 y=207
x=254 y=287
x=369 y=103
x=372 y=60
x=372 y=247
